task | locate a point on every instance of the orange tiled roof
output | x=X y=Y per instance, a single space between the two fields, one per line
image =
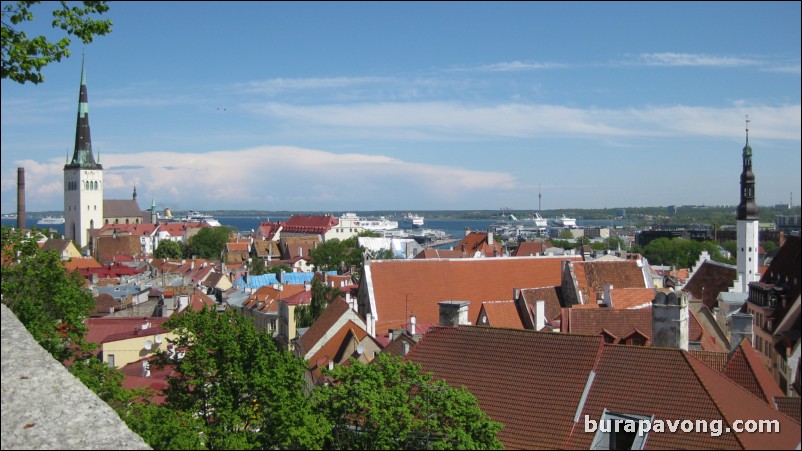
x=439 y=253
x=713 y=359
x=324 y=323
x=477 y=242
x=591 y=277
x=501 y=314
x=81 y=263
x=336 y=348
x=396 y=288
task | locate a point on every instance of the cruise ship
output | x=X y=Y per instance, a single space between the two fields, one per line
x=564 y=221
x=378 y=225
x=50 y=220
x=412 y=221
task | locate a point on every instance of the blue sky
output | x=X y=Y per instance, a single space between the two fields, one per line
x=418 y=106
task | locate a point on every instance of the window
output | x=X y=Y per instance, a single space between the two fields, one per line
x=619 y=431
x=111 y=360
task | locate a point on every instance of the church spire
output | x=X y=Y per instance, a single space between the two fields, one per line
x=82 y=156
x=747 y=209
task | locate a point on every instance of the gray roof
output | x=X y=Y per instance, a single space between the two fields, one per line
x=115 y=208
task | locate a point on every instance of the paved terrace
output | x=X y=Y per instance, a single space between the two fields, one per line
x=46 y=407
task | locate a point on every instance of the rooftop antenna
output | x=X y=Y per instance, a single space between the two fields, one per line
x=539 y=197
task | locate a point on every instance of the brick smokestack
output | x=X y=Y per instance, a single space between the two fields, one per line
x=20 y=198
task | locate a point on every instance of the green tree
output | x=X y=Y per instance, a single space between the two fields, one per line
x=209 y=242
x=49 y=301
x=169 y=249
x=24 y=57
x=392 y=404
x=565 y=234
x=244 y=393
x=105 y=381
x=680 y=252
x=165 y=428
x=322 y=296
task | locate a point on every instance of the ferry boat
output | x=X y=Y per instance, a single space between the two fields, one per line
x=50 y=220
x=540 y=221
x=412 y=221
x=564 y=221
x=377 y=225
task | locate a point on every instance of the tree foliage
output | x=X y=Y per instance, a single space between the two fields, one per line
x=680 y=252
x=209 y=242
x=392 y=404
x=24 y=57
x=243 y=392
x=169 y=249
x=322 y=296
x=50 y=302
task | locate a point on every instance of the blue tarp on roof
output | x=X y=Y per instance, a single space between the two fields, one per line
x=291 y=278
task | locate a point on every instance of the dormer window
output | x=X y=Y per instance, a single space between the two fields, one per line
x=620 y=431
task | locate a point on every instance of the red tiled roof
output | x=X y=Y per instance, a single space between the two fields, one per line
x=324 y=323
x=500 y=314
x=713 y=359
x=477 y=242
x=439 y=253
x=745 y=368
x=531 y=248
x=310 y=224
x=620 y=323
x=627 y=298
x=591 y=277
x=551 y=295
x=267 y=230
x=709 y=280
x=532 y=382
x=81 y=263
x=791 y=406
x=336 y=348
x=736 y=403
x=400 y=287
x=100 y=329
x=529 y=381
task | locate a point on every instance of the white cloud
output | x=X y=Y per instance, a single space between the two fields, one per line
x=691 y=59
x=510 y=66
x=270 y=178
x=444 y=120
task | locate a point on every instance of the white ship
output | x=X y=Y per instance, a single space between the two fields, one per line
x=50 y=220
x=564 y=221
x=377 y=225
x=540 y=221
x=412 y=221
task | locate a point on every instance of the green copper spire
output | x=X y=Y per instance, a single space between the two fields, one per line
x=82 y=156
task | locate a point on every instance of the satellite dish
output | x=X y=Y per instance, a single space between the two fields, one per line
x=148 y=345
x=158 y=339
x=360 y=349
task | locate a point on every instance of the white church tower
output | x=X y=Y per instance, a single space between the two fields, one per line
x=83 y=180
x=747 y=222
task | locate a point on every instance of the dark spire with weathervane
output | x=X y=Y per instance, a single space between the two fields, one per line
x=747 y=209
x=82 y=157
